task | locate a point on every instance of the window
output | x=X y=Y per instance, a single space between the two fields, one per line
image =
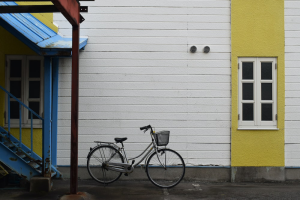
x=257 y=93
x=24 y=79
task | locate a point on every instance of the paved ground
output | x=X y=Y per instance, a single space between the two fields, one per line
x=144 y=190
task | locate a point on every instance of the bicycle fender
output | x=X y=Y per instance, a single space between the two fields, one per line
x=91 y=149
x=147 y=158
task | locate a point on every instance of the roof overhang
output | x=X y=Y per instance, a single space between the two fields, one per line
x=36 y=35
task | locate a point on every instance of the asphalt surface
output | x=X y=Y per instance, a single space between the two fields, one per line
x=145 y=190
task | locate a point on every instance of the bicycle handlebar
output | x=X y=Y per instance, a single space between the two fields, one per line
x=146 y=128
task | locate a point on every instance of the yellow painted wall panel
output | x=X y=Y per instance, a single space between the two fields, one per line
x=257 y=30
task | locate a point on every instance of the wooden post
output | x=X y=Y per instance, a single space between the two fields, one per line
x=74 y=110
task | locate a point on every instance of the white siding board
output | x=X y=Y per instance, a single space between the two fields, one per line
x=149 y=25
x=137 y=70
x=149 y=48
x=135 y=65
x=292 y=101
x=157 y=40
x=99 y=131
x=148 y=109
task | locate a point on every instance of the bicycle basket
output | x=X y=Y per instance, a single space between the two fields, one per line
x=162 y=138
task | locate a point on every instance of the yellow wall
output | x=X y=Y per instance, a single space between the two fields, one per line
x=257 y=30
x=10 y=45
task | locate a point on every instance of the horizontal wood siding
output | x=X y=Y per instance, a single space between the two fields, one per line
x=137 y=70
x=292 y=83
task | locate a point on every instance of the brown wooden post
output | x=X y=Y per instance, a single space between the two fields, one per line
x=74 y=110
x=71 y=10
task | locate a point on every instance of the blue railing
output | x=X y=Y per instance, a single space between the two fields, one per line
x=9 y=96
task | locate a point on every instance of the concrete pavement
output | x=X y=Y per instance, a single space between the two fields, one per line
x=145 y=190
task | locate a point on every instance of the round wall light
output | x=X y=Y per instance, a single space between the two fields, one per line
x=206 y=49
x=193 y=49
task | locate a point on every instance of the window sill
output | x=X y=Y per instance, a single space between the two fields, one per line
x=262 y=128
x=24 y=126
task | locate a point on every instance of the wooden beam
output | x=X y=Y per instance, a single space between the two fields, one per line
x=28 y=9
x=70 y=9
x=34 y=9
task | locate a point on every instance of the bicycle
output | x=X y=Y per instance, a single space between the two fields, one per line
x=165 y=168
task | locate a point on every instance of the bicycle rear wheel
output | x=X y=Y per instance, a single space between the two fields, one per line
x=165 y=169
x=96 y=164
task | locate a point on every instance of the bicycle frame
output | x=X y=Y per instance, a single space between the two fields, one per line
x=126 y=167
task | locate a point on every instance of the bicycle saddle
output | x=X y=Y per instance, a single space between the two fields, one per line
x=118 y=140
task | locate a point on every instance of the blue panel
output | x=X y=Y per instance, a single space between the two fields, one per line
x=20 y=28
x=47 y=115
x=39 y=24
x=55 y=67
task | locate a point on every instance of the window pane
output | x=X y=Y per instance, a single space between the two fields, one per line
x=266 y=91
x=248 y=112
x=35 y=106
x=14 y=110
x=266 y=71
x=15 y=68
x=247 y=91
x=34 y=68
x=15 y=88
x=34 y=89
x=266 y=112
x=247 y=70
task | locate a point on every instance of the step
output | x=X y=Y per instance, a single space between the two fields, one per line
x=21 y=154
x=8 y=144
x=33 y=164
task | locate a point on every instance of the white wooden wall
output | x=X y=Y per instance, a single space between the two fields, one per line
x=292 y=83
x=137 y=70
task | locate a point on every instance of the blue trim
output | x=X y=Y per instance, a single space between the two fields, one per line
x=47 y=115
x=55 y=66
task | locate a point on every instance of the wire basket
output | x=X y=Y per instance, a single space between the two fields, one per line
x=162 y=138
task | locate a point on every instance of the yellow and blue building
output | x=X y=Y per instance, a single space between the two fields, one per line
x=234 y=108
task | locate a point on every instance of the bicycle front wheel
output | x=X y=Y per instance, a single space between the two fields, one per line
x=165 y=169
x=96 y=164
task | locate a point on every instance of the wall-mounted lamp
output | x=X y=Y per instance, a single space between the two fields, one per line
x=193 y=49
x=206 y=49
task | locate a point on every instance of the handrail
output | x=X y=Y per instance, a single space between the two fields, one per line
x=20 y=102
x=20 y=117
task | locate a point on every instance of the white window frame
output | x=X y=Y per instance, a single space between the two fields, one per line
x=257 y=123
x=26 y=121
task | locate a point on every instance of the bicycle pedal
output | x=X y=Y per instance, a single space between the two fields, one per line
x=126 y=174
